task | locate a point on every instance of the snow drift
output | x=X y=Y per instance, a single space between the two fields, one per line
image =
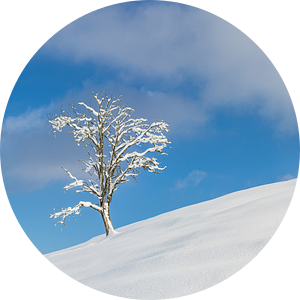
x=183 y=251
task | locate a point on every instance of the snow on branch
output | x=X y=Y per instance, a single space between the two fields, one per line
x=112 y=135
x=68 y=212
x=75 y=183
x=91 y=188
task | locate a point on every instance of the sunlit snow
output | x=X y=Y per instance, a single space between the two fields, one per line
x=182 y=251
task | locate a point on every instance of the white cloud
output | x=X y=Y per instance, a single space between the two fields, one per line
x=192 y=179
x=31 y=120
x=30 y=154
x=286 y=177
x=169 y=43
x=174 y=43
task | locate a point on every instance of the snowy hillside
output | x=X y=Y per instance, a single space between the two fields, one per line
x=183 y=251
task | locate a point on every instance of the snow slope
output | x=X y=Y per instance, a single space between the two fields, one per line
x=183 y=251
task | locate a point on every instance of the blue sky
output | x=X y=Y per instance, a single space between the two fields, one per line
x=232 y=123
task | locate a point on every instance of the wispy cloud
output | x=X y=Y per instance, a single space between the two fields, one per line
x=158 y=48
x=286 y=177
x=30 y=155
x=192 y=179
x=173 y=43
x=31 y=120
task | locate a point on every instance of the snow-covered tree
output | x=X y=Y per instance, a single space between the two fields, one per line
x=111 y=136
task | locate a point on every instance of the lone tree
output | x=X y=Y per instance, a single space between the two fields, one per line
x=110 y=135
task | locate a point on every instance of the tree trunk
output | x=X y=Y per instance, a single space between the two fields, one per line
x=107 y=222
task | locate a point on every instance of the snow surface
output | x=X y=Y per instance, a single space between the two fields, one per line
x=180 y=252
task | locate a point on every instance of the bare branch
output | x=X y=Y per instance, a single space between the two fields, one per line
x=67 y=212
x=110 y=132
